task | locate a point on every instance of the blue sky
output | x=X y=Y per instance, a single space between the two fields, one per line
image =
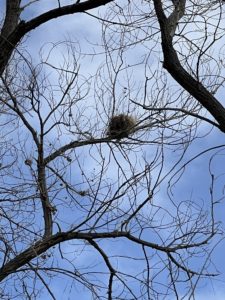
x=195 y=182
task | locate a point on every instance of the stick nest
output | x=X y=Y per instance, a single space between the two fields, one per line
x=120 y=126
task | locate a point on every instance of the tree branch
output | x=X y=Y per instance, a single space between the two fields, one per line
x=8 y=41
x=11 y=17
x=174 y=67
x=43 y=245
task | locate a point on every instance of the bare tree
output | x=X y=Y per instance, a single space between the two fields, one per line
x=94 y=164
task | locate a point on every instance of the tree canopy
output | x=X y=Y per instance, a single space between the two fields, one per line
x=111 y=162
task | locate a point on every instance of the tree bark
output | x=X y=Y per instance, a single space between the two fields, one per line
x=11 y=17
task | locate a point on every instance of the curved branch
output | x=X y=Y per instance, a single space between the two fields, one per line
x=8 y=42
x=176 y=70
x=72 y=145
x=107 y=262
x=45 y=244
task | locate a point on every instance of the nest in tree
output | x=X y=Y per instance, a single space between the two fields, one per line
x=120 y=126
